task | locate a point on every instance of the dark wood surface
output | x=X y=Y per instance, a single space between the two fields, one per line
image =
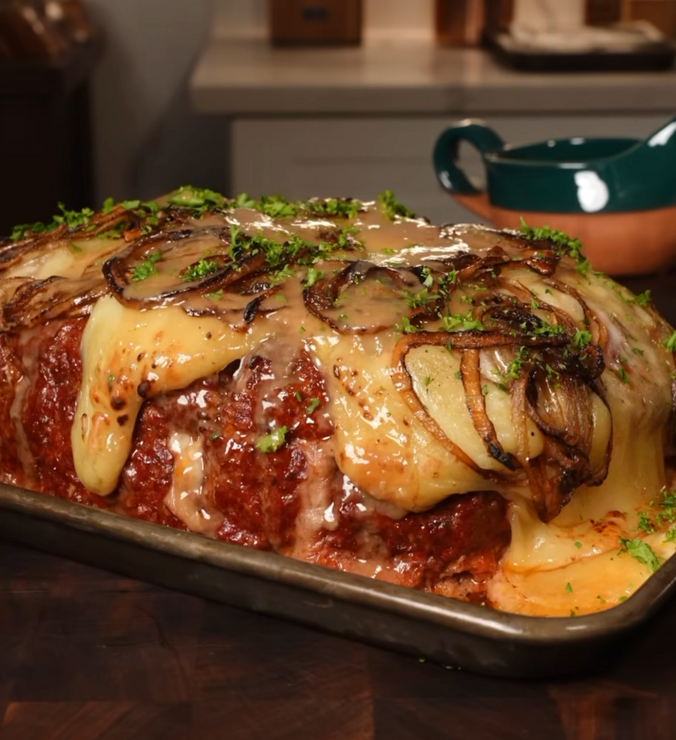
x=89 y=655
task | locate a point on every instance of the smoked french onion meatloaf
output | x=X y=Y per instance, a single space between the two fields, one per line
x=466 y=411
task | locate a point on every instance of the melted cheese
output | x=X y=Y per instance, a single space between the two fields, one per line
x=185 y=498
x=585 y=585
x=128 y=356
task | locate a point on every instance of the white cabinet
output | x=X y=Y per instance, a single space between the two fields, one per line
x=303 y=157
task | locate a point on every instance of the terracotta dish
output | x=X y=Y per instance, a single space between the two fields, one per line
x=618 y=196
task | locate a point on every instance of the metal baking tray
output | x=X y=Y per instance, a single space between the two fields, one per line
x=424 y=625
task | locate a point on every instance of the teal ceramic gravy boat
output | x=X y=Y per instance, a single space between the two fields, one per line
x=617 y=195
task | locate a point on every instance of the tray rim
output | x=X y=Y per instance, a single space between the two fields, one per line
x=441 y=611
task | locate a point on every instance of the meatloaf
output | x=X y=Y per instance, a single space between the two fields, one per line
x=453 y=409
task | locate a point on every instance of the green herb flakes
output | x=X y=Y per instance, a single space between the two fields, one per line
x=313 y=276
x=670 y=342
x=643 y=299
x=147 y=268
x=200 y=199
x=391 y=208
x=581 y=339
x=313 y=405
x=641 y=551
x=201 y=269
x=273 y=441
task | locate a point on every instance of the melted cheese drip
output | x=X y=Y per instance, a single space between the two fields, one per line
x=128 y=356
x=185 y=499
x=379 y=445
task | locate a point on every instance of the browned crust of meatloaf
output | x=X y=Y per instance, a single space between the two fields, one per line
x=258 y=498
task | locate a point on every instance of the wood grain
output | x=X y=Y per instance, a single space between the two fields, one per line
x=89 y=655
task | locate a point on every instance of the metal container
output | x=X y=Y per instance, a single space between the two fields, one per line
x=439 y=629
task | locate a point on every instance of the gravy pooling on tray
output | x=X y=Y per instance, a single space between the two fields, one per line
x=471 y=412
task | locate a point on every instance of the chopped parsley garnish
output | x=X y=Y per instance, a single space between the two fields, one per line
x=548 y=330
x=458 y=375
x=273 y=441
x=406 y=326
x=514 y=367
x=578 y=544
x=551 y=373
x=569 y=588
x=334 y=207
x=201 y=269
x=665 y=513
x=312 y=276
x=670 y=342
x=641 y=551
x=450 y=278
x=461 y=322
x=147 y=268
x=622 y=373
x=70 y=219
x=581 y=339
x=215 y=296
x=199 y=199
x=19 y=232
x=645 y=523
x=643 y=299
x=391 y=208
x=570 y=245
x=276 y=207
x=420 y=298
x=313 y=405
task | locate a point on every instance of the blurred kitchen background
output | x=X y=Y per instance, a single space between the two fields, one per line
x=132 y=98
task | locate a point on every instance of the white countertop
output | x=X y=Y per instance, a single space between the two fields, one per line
x=248 y=77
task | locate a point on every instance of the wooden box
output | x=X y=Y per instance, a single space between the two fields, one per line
x=318 y=22
x=459 y=22
x=498 y=16
x=661 y=13
x=603 y=12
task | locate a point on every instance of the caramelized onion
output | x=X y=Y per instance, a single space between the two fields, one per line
x=37 y=301
x=119 y=270
x=476 y=404
x=386 y=298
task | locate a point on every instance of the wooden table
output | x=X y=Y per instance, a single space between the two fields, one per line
x=87 y=655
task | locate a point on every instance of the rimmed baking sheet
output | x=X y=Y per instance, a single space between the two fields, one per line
x=425 y=625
